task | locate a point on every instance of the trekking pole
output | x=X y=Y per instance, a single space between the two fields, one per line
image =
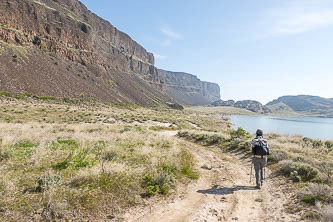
x=251 y=174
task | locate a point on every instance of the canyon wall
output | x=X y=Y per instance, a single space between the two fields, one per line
x=188 y=89
x=59 y=48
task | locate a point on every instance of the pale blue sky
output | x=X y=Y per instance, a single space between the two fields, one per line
x=254 y=49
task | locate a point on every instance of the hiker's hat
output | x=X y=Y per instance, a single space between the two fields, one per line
x=259 y=132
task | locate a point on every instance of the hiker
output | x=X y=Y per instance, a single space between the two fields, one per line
x=260 y=150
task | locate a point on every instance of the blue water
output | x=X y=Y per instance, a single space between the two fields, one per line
x=306 y=126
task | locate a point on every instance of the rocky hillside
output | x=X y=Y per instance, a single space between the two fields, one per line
x=304 y=104
x=188 y=89
x=59 y=48
x=250 y=105
x=286 y=106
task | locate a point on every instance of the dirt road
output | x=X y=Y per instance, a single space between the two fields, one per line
x=223 y=193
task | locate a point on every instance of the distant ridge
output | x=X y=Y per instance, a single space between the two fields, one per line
x=305 y=105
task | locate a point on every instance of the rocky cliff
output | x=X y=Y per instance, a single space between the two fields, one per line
x=60 y=48
x=251 y=105
x=188 y=89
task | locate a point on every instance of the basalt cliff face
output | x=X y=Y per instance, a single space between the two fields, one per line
x=59 y=48
x=188 y=89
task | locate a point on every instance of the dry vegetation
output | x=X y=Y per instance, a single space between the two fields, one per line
x=62 y=161
x=305 y=162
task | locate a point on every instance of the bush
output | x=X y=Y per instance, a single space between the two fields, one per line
x=298 y=170
x=327 y=213
x=64 y=144
x=278 y=155
x=186 y=160
x=24 y=149
x=157 y=184
x=46 y=181
x=329 y=144
x=183 y=134
x=212 y=140
x=7 y=94
x=315 y=192
x=317 y=143
x=327 y=170
x=76 y=161
x=204 y=139
x=239 y=133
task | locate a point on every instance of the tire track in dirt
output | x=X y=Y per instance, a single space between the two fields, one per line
x=222 y=193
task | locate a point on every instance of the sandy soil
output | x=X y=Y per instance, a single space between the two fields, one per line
x=223 y=193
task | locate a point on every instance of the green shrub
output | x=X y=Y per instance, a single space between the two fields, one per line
x=167 y=168
x=24 y=149
x=46 y=181
x=308 y=199
x=91 y=191
x=329 y=144
x=315 y=192
x=64 y=144
x=204 y=139
x=109 y=156
x=305 y=171
x=240 y=133
x=76 y=161
x=99 y=146
x=183 y=134
x=186 y=160
x=327 y=170
x=317 y=143
x=6 y=94
x=213 y=139
x=157 y=184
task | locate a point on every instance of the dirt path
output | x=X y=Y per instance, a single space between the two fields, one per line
x=223 y=193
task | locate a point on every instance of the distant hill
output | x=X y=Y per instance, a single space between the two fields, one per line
x=250 y=105
x=304 y=104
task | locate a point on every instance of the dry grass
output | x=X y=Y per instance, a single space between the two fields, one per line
x=96 y=163
x=65 y=161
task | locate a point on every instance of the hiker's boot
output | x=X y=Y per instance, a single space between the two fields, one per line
x=258 y=186
x=262 y=183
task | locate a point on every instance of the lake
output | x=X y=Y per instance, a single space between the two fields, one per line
x=307 y=126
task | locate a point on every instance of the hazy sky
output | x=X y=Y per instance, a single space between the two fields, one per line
x=254 y=49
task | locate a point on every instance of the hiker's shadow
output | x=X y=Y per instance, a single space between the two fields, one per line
x=216 y=190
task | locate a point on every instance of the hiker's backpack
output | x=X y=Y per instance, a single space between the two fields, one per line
x=260 y=147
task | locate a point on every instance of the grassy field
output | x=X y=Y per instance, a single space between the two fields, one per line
x=61 y=160
x=64 y=161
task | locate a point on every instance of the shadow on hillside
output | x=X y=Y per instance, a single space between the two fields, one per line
x=242 y=153
x=216 y=190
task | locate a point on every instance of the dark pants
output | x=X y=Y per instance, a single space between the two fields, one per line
x=259 y=165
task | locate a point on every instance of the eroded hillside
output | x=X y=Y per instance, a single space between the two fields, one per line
x=59 y=48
